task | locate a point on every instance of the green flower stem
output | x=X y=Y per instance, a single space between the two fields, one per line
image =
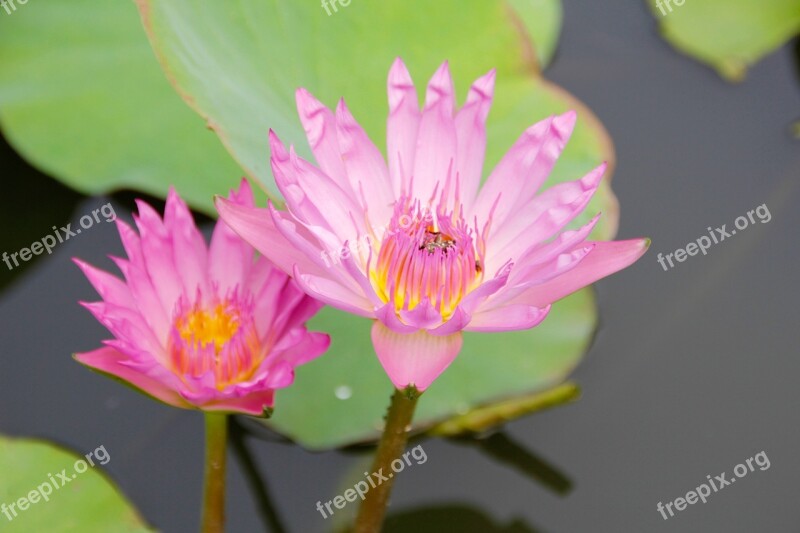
x=393 y=442
x=214 y=487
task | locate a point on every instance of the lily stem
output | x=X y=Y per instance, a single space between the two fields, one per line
x=214 y=485
x=393 y=442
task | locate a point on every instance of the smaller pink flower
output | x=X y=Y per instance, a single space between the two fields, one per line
x=214 y=328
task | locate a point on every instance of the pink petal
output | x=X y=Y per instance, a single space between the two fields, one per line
x=387 y=314
x=548 y=214
x=436 y=143
x=474 y=299
x=402 y=127
x=131 y=243
x=471 y=133
x=557 y=266
x=257 y=227
x=127 y=325
x=145 y=296
x=320 y=125
x=280 y=304
x=230 y=258
x=454 y=324
x=191 y=254
x=366 y=169
x=158 y=254
x=281 y=375
x=414 y=358
x=251 y=404
x=334 y=294
x=508 y=318
x=307 y=347
x=110 y=288
x=356 y=270
x=423 y=316
x=566 y=240
x=517 y=177
x=299 y=236
x=111 y=362
x=605 y=259
x=273 y=299
x=314 y=198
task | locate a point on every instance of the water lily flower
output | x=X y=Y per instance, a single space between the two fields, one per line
x=443 y=254
x=211 y=328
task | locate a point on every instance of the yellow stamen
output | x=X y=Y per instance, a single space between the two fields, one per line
x=203 y=328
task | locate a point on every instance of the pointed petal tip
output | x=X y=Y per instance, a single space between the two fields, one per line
x=442 y=77
x=398 y=73
x=568 y=116
x=278 y=151
x=87 y=305
x=564 y=124
x=307 y=104
x=593 y=178
x=343 y=114
x=273 y=138
x=440 y=88
x=482 y=89
x=400 y=86
x=487 y=80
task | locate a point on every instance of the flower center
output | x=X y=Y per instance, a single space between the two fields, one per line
x=199 y=327
x=218 y=340
x=426 y=257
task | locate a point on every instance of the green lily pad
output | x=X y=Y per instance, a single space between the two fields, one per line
x=83 y=99
x=97 y=113
x=239 y=64
x=542 y=21
x=483 y=419
x=729 y=35
x=60 y=494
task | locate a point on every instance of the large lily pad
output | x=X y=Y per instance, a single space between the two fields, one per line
x=85 y=500
x=729 y=35
x=83 y=99
x=542 y=21
x=239 y=63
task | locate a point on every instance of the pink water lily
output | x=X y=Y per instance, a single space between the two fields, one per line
x=213 y=328
x=417 y=244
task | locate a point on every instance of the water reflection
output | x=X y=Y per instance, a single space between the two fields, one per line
x=796 y=125
x=255 y=481
x=499 y=446
x=31 y=204
x=502 y=448
x=455 y=517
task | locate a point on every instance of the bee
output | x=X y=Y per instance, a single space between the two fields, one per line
x=435 y=240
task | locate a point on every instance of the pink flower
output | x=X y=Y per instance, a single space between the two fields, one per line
x=209 y=328
x=417 y=244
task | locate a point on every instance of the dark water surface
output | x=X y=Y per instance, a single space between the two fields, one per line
x=694 y=370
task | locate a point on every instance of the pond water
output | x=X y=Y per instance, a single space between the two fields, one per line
x=693 y=371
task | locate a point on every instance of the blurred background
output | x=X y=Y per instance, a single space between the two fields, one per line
x=692 y=371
